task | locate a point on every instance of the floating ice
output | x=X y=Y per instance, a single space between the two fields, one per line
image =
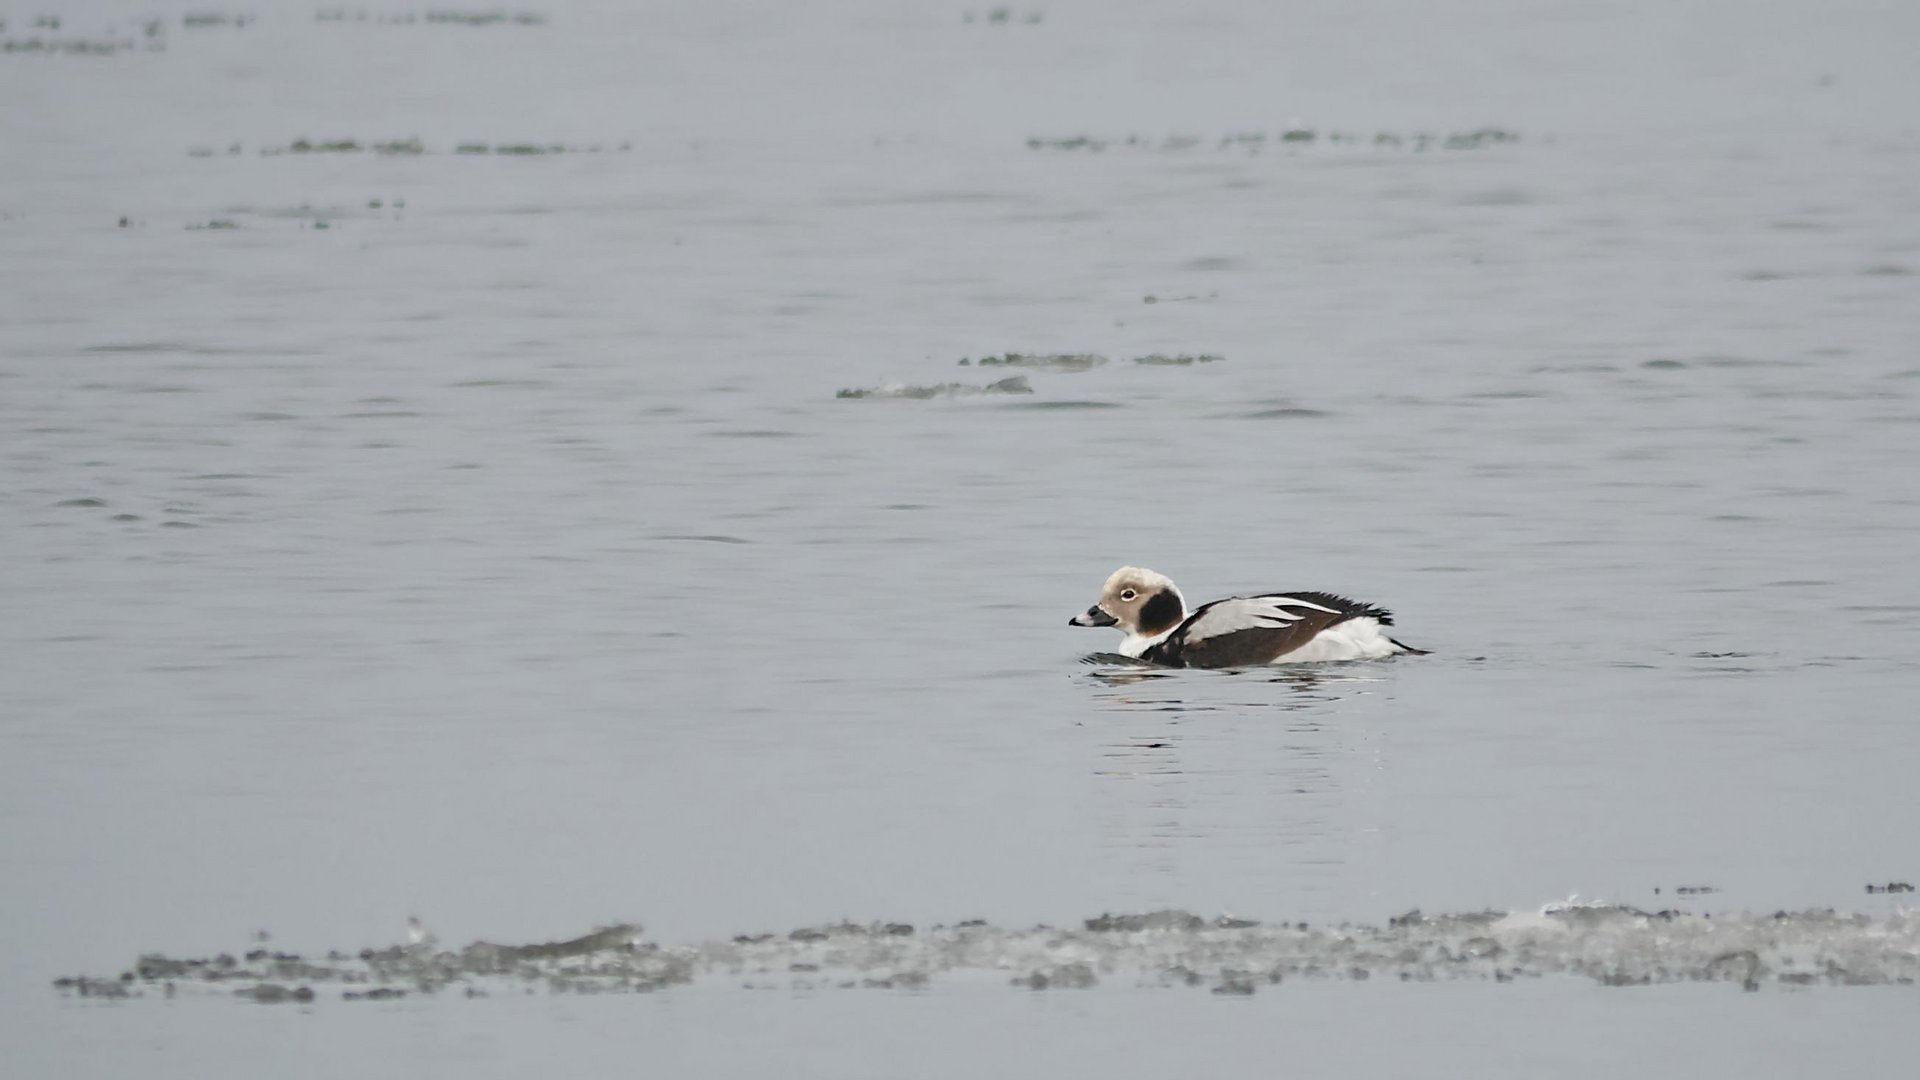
x=1182 y=360
x=1291 y=138
x=1616 y=946
x=1068 y=362
x=1013 y=384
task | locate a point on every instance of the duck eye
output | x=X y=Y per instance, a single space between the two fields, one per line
x=1128 y=594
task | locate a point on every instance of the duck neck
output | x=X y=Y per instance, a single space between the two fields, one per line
x=1136 y=644
x=1159 y=617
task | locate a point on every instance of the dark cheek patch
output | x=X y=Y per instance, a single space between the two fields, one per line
x=1161 y=612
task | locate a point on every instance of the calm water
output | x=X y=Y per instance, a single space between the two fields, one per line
x=501 y=554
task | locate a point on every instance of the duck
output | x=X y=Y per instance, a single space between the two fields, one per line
x=1239 y=631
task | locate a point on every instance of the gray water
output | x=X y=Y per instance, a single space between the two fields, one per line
x=480 y=536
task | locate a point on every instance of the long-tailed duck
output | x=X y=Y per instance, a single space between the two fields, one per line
x=1240 y=631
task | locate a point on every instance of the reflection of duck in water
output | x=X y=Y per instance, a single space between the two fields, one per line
x=1240 y=631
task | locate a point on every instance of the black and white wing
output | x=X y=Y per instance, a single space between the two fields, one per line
x=1244 y=631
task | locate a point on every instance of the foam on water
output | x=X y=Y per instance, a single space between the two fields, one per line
x=1614 y=945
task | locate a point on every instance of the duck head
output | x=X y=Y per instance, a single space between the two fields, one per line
x=1141 y=603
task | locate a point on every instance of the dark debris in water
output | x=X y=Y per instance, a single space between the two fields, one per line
x=1052 y=363
x=528 y=149
x=206 y=20
x=149 y=33
x=1164 y=919
x=1062 y=406
x=412 y=147
x=94 y=46
x=1004 y=16
x=1283 y=412
x=274 y=993
x=1068 y=362
x=1609 y=944
x=1013 y=384
x=1291 y=139
x=1181 y=360
x=710 y=538
x=443 y=17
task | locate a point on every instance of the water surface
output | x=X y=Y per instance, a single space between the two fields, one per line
x=479 y=536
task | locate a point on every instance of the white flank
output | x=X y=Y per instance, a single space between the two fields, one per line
x=1355 y=639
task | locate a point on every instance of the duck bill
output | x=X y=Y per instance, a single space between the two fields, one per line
x=1093 y=616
